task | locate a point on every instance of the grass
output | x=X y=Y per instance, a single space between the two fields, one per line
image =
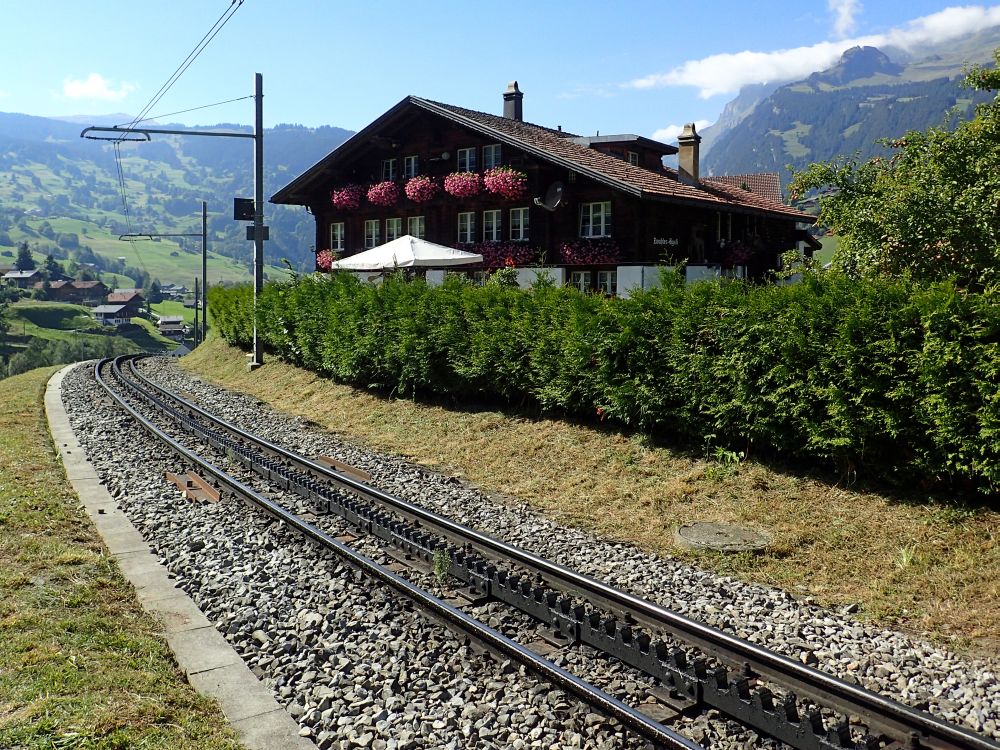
x=60 y=321
x=81 y=666
x=931 y=566
x=173 y=307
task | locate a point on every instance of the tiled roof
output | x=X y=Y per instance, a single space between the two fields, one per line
x=21 y=274
x=122 y=296
x=766 y=184
x=558 y=147
x=87 y=284
x=109 y=309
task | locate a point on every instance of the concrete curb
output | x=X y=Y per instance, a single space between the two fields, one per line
x=210 y=663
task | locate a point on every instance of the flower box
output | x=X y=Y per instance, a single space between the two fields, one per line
x=588 y=252
x=385 y=194
x=347 y=198
x=324 y=260
x=506 y=182
x=500 y=254
x=420 y=189
x=463 y=184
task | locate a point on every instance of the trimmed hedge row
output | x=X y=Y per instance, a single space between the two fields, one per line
x=882 y=377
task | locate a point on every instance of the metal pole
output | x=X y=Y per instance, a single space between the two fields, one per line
x=204 y=270
x=257 y=358
x=196 y=311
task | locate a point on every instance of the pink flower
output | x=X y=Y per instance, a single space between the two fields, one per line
x=384 y=194
x=324 y=260
x=463 y=184
x=507 y=182
x=589 y=252
x=420 y=189
x=498 y=254
x=347 y=198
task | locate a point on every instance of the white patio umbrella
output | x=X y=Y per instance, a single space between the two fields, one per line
x=407 y=252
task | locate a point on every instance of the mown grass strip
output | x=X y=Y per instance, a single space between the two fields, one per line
x=81 y=665
x=926 y=564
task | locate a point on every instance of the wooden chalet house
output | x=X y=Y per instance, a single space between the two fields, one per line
x=599 y=210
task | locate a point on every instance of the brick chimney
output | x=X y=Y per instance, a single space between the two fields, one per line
x=512 y=102
x=687 y=157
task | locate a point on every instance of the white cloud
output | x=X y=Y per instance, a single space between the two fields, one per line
x=843 y=16
x=95 y=86
x=670 y=133
x=728 y=73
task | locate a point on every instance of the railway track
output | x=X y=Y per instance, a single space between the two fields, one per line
x=747 y=683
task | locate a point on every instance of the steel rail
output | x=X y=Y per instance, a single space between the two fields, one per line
x=905 y=724
x=609 y=705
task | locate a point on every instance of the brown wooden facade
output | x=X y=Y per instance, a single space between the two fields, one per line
x=655 y=218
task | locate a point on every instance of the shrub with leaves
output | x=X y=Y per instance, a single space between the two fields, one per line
x=875 y=377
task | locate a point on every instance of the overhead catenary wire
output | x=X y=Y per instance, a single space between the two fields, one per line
x=206 y=39
x=124 y=192
x=185 y=111
x=186 y=63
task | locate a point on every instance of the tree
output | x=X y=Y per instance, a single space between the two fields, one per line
x=929 y=210
x=53 y=267
x=25 y=261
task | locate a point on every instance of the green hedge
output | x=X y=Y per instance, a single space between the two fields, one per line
x=878 y=377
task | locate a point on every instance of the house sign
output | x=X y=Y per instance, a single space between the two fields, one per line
x=669 y=241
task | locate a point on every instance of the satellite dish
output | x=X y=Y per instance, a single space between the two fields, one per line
x=553 y=197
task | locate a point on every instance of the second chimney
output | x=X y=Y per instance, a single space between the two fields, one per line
x=687 y=156
x=512 y=102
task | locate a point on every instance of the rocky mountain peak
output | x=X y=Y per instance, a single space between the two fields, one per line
x=855 y=64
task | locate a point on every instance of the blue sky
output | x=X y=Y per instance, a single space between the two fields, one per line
x=640 y=67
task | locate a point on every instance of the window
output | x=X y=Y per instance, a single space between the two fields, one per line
x=467 y=227
x=580 y=279
x=388 y=169
x=371 y=233
x=491 y=226
x=416 y=227
x=491 y=156
x=633 y=158
x=595 y=219
x=466 y=160
x=411 y=166
x=519 y=224
x=393 y=229
x=337 y=236
x=479 y=278
x=607 y=282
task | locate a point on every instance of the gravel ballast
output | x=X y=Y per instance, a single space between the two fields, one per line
x=355 y=670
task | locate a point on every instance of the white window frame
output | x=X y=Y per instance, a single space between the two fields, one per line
x=479 y=278
x=492 y=221
x=633 y=158
x=416 y=226
x=519 y=226
x=389 y=169
x=607 y=282
x=580 y=279
x=372 y=233
x=465 y=160
x=595 y=219
x=337 y=236
x=396 y=230
x=466 y=227
x=411 y=166
x=492 y=155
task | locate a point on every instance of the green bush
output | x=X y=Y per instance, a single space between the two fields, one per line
x=872 y=376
